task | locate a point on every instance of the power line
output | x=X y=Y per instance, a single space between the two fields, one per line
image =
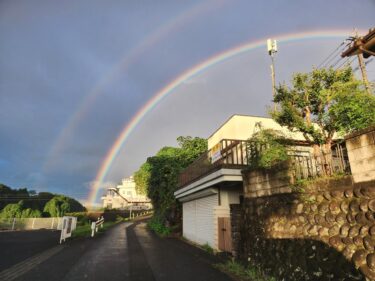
x=335 y=63
x=330 y=55
x=346 y=62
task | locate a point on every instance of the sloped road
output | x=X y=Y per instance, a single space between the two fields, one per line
x=126 y=252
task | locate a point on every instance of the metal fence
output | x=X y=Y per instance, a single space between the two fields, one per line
x=237 y=154
x=30 y=223
x=231 y=154
x=304 y=165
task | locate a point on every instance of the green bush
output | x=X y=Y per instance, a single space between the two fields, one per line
x=30 y=213
x=18 y=210
x=157 y=225
x=12 y=210
x=267 y=149
x=82 y=217
x=59 y=205
x=158 y=177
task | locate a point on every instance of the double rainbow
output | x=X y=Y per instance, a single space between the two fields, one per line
x=190 y=73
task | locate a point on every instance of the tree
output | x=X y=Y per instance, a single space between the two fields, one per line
x=59 y=205
x=142 y=178
x=353 y=111
x=158 y=176
x=316 y=105
x=12 y=210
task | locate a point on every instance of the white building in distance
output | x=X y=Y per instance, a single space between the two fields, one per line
x=124 y=196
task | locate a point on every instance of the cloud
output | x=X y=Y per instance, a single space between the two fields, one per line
x=102 y=185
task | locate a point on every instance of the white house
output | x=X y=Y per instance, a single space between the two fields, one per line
x=214 y=181
x=124 y=196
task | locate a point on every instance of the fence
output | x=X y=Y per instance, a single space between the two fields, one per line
x=30 y=223
x=304 y=165
x=230 y=154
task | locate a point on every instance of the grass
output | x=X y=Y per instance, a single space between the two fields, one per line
x=208 y=249
x=84 y=231
x=243 y=273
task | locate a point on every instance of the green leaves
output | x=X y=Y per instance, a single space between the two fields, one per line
x=158 y=176
x=322 y=102
x=267 y=149
x=59 y=205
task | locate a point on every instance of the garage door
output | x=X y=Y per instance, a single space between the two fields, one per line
x=198 y=220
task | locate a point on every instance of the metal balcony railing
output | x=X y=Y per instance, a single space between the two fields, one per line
x=237 y=154
x=228 y=153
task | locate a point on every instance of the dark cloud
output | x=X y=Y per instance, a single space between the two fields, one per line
x=53 y=54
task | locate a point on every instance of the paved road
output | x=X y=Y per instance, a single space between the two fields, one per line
x=125 y=252
x=19 y=245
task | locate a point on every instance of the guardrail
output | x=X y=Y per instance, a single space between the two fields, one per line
x=30 y=223
x=95 y=226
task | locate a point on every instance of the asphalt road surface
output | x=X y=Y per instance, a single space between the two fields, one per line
x=16 y=246
x=125 y=252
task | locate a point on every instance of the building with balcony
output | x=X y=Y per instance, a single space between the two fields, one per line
x=124 y=196
x=214 y=181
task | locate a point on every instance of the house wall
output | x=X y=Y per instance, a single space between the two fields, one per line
x=242 y=127
x=361 y=152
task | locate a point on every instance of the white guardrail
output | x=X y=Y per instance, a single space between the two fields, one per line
x=31 y=223
x=95 y=225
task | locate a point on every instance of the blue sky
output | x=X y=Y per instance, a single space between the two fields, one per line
x=53 y=54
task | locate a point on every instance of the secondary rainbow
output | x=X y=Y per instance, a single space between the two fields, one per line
x=190 y=73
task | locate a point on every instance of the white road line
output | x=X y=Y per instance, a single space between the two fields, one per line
x=24 y=266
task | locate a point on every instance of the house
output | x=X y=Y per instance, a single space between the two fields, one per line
x=214 y=181
x=124 y=196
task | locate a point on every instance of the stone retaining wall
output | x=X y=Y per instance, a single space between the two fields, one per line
x=325 y=233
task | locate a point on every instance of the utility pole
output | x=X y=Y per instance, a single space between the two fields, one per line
x=362 y=66
x=362 y=47
x=364 y=73
x=272 y=50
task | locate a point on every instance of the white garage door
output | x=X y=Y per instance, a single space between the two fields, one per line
x=198 y=220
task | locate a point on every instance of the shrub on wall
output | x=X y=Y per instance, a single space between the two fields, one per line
x=266 y=149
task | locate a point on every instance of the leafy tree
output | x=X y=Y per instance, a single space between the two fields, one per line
x=11 y=196
x=31 y=213
x=317 y=105
x=353 y=110
x=158 y=176
x=142 y=178
x=12 y=210
x=59 y=205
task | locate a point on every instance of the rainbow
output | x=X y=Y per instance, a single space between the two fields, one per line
x=127 y=59
x=188 y=74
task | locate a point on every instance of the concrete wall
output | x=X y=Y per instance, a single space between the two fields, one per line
x=361 y=152
x=258 y=183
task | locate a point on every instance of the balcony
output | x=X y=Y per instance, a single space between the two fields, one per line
x=228 y=154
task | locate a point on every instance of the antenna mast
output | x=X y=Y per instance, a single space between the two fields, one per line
x=272 y=50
